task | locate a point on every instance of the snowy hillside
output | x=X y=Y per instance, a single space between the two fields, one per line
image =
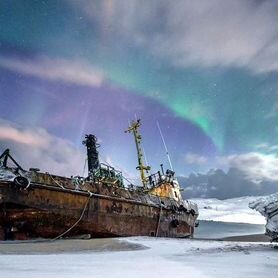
x=230 y=210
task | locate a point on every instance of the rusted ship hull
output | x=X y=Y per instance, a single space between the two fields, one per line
x=49 y=211
x=35 y=204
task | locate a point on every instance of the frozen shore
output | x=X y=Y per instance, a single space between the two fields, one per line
x=145 y=257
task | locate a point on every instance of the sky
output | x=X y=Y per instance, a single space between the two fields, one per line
x=205 y=70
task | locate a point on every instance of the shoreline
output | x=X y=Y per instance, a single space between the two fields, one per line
x=248 y=238
x=98 y=245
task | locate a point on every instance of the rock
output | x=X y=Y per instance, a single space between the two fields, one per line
x=268 y=207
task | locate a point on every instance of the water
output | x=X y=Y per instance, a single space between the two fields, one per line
x=217 y=230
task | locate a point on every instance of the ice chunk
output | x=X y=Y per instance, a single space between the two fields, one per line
x=268 y=207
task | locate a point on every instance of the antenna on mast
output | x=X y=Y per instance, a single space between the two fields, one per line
x=164 y=143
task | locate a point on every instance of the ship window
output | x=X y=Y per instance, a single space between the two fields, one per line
x=176 y=194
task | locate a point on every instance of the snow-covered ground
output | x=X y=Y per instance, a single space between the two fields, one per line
x=162 y=258
x=229 y=210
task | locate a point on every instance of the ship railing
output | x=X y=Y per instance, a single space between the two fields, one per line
x=107 y=173
x=158 y=178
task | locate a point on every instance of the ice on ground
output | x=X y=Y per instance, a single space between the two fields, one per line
x=268 y=207
x=229 y=210
x=163 y=258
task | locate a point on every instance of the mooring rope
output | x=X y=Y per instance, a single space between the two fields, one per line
x=80 y=218
x=56 y=181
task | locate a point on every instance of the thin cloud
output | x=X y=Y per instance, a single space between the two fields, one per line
x=273 y=112
x=265 y=147
x=201 y=33
x=35 y=147
x=195 y=159
x=256 y=166
x=25 y=137
x=69 y=71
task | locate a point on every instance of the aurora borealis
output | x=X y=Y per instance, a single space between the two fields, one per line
x=207 y=71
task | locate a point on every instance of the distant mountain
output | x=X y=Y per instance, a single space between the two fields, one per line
x=218 y=184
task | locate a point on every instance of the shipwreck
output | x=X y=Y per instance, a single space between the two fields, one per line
x=42 y=205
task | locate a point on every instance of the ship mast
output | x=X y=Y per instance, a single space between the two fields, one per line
x=134 y=128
